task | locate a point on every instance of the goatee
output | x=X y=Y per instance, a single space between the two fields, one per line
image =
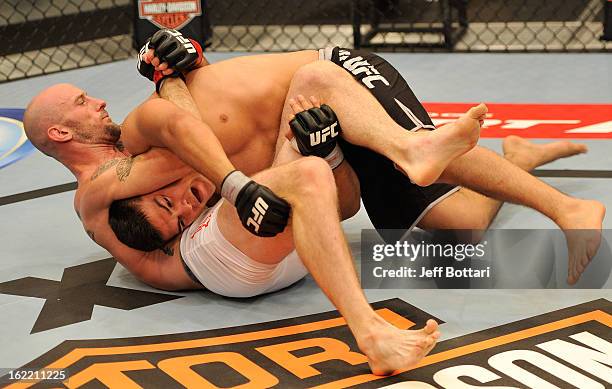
x=114 y=132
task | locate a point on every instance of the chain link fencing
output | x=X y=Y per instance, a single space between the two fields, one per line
x=46 y=36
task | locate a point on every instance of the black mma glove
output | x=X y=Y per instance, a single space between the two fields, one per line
x=147 y=70
x=315 y=133
x=261 y=211
x=180 y=53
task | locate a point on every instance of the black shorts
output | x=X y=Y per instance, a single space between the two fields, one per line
x=390 y=199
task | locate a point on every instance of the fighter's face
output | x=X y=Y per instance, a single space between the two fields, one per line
x=174 y=207
x=88 y=118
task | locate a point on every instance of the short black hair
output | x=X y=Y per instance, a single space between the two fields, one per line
x=131 y=226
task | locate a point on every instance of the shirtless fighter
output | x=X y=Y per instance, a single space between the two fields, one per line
x=74 y=128
x=232 y=94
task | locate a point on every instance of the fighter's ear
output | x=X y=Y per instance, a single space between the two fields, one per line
x=59 y=133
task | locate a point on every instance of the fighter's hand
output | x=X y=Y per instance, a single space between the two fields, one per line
x=315 y=128
x=146 y=69
x=170 y=51
x=261 y=212
x=297 y=105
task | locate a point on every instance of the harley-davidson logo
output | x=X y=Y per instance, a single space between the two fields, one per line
x=169 y=13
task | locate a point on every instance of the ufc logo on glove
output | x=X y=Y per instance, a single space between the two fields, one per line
x=185 y=41
x=258 y=211
x=321 y=136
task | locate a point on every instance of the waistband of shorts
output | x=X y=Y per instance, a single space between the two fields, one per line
x=326 y=53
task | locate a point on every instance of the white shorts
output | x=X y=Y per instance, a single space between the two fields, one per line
x=225 y=270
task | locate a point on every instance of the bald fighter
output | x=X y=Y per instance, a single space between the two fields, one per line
x=75 y=129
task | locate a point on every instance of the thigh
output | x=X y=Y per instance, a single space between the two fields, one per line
x=265 y=250
x=386 y=84
x=391 y=200
x=462 y=210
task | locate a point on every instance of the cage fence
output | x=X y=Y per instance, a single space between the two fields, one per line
x=46 y=36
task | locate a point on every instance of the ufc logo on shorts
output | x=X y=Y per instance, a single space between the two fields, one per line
x=259 y=211
x=186 y=42
x=321 y=136
x=359 y=65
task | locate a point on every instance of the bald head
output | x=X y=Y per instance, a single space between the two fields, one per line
x=45 y=111
x=63 y=116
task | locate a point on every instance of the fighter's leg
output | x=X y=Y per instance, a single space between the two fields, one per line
x=308 y=185
x=347 y=184
x=485 y=172
x=466 y=209
x=365 y=123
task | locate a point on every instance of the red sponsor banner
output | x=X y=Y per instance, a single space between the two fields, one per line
x=577 y=121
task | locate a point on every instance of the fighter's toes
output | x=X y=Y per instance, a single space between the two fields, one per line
x=430 y=327
x=478 y=111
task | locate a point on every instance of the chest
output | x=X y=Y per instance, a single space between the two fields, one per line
x=246 y=132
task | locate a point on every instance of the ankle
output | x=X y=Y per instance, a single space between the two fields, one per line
x=367 y=331
x=566 y=211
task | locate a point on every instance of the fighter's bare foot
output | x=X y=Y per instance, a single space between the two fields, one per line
x=528 y=155
x=389 y=348
x=581 y=224
x=426 y=154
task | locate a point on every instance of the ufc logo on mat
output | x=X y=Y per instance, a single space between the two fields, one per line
x=186 y=42
x=321 y=136
x=259 y=211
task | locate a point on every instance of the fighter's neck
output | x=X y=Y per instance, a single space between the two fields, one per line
x=84 y=161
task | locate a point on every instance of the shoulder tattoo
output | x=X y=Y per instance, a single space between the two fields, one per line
x=104 y=167
x=123 y=167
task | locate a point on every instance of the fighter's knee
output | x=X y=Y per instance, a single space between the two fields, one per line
x=313 y=174
x=318 y=74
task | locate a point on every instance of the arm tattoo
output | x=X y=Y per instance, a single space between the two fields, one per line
x=104 y=167
x=91 y=235
x=124 y=167
x=169 y=251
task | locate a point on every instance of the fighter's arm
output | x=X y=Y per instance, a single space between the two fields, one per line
x=160 y=123
x=121 y=178
x=176 y=91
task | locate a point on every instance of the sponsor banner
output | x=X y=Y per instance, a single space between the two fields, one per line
x=558 y=349
x=174 y=14
x=14 y=145
x=578 y=121
x=491 y=259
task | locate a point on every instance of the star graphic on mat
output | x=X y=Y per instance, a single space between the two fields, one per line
x=72 y=299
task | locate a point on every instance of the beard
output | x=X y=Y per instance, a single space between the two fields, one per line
x=109 y=134
x=113 y=132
